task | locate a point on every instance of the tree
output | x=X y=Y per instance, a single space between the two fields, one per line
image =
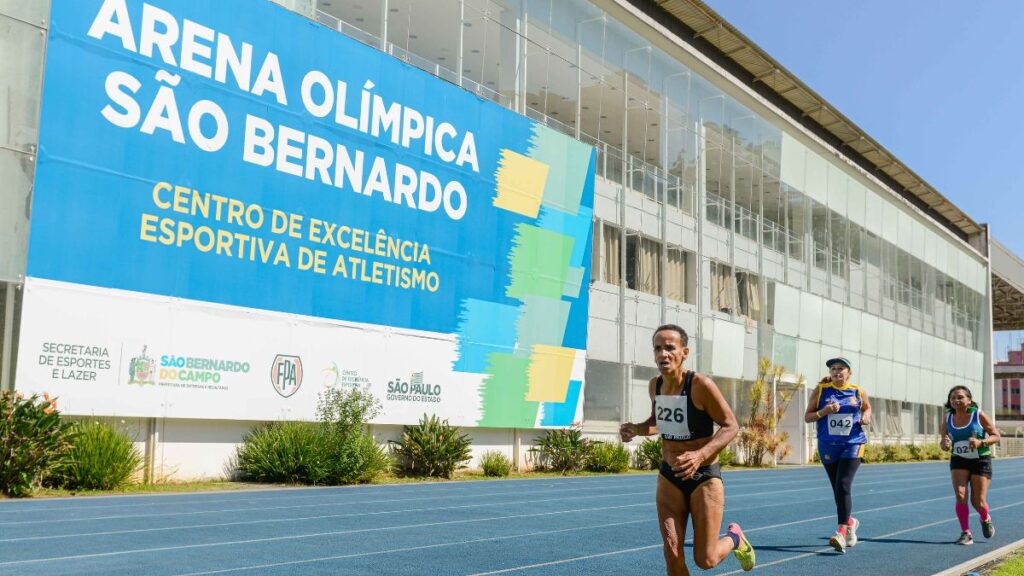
x=759 y=435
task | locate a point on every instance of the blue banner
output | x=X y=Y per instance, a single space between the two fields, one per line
x=235 y=152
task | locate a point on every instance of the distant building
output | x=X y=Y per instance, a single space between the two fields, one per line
x=1008 y=376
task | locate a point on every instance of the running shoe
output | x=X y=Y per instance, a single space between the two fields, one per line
x=965 y=539
x=851 y=532
x=987 y=528
x=744 y=552
x=838 y=541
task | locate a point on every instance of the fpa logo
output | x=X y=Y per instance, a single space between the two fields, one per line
x=286 y=374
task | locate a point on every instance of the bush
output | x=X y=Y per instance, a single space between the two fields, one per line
x=932 y=452
x=33 y=441
x=726 y=456
x=336 y=450
x=563 y=450
x=895 y=453
x=432 y=448
x=608 y=457
x=648 y=455
x=352 y=455
x=495 y=463
x=288 y=452
x=874 y=453
x=100 y=458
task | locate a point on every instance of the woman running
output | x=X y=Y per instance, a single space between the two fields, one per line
x=969 y=433
x=841 y=410
x=685 y=406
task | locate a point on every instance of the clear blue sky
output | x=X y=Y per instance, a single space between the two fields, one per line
x=939 y=83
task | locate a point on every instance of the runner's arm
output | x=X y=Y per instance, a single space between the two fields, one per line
x=992 y=435
x=865 y=409
x=946 y=443
x=707 y=397
x=648 y=427
x=813 y=413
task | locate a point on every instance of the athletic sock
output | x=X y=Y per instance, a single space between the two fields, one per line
x=962 y=513
x=983 y=512
x=850 y=521
x=842 y=529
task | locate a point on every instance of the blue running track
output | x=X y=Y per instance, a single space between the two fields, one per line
x=570 y=526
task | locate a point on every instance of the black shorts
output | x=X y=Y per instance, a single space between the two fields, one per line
x=981 y=466
x=699 y=477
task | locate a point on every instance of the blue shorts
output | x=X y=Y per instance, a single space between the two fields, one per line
x=829 y=453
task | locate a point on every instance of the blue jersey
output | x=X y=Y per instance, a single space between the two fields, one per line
x=844 y=426
x=961 y=437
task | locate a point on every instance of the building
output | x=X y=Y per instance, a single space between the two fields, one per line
x=1009 y=373
x=722 y=195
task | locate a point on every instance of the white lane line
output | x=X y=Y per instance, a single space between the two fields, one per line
x=325 y=516
x=414 y=548
x=322 y=492
x=980 y=560
x=316 y=535
x=567 y=560
x=896 y=533
x=322 y=504
x=358 y=514
x=758 y=529
x=449 y=544
x=331 y=493
x=431 y=509
x=276 y=493
x=462 y=487
x=298 y=506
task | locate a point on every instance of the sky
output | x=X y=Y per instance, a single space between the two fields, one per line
x=938 y=83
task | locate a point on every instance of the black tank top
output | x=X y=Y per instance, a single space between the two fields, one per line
x=676 y=416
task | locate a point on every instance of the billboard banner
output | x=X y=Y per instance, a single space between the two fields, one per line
x=233 y=166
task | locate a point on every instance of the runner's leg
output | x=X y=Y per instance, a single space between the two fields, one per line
x=672 y=515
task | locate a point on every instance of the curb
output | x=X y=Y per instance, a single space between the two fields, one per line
x=959 y=569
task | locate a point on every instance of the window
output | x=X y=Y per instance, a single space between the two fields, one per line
x=610 y=252
x=748 y=295
x=643 y=264
x=840 y=247
x=796 y=216
x=603 y=394
x=722 y=288
x=856 y=260
x=892 y=424
x=872 y=251
x=675 y=273
x=820 y=235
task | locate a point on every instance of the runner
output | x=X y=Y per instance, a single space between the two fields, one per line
x=841 y=409
x=684 y=408
x=969 y=433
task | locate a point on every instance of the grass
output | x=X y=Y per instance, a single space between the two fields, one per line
x=202 y=486
x=1011 y=565
x=228 y=485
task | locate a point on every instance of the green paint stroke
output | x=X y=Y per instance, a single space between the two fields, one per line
x=568 y=163
x=573 y=282
x=541 y=321
x=539 y=262
x=504 y=393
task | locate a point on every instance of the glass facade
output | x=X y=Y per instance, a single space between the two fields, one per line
x=712 y=210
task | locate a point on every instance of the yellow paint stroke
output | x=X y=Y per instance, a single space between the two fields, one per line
x=549 y=373
x=520 y=183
